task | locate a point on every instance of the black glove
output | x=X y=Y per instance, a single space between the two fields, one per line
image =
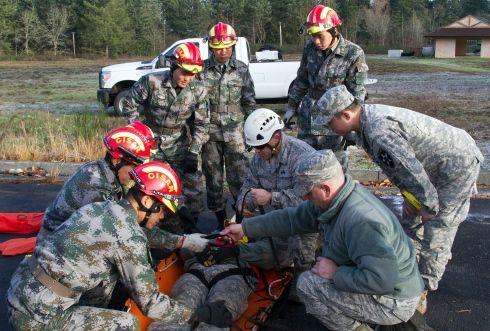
x=191 y=163
x=214 y=255
x=214 y=313
x=188 y=222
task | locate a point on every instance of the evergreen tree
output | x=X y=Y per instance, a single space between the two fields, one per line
x=107 y=27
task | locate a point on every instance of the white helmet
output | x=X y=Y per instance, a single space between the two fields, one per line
x=260 y=126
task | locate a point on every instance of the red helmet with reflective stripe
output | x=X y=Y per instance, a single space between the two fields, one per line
x=146 y=133
x=130 y=143
x=188 y=57
x=158 y=180
x=222 y=35
x=322 y=18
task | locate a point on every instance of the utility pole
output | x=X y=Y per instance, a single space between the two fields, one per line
x=73 y=40
x=280 y=34
x=164 y=32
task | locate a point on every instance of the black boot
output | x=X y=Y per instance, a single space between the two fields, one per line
x=188 y=222
x=221 y=217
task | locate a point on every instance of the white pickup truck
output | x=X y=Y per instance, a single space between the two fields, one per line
x=272 y=77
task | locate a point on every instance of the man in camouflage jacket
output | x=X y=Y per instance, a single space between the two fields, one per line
x=99 y=244
x=231 y=98
x=434 y=165
x=174 y=105
x=328 y=60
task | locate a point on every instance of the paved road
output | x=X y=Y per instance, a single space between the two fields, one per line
x=461 y=303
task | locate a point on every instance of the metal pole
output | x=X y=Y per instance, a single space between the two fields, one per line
x=73 y=40
x=280 y=34
x=164 y=32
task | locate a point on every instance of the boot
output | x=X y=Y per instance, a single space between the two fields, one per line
x=221 y=217
x=364 y=327
x=422 y=305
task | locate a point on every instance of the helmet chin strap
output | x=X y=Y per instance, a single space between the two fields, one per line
x=154 y=208
x=274 y=148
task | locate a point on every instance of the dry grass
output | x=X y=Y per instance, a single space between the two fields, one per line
x=42 y=136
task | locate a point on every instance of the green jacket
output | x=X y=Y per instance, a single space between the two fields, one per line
x=364 y=238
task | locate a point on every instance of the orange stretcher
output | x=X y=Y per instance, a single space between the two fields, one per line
x=260 y=302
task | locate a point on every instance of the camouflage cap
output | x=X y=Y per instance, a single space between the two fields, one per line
x=315 y=169
x=333 y=101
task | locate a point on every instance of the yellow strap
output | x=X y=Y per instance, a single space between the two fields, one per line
x=412 y=199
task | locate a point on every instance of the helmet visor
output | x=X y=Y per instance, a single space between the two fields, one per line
x=170 y=202
x=222 y=41
x=192 y=68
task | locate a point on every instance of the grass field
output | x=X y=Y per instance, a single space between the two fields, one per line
x=49 y=112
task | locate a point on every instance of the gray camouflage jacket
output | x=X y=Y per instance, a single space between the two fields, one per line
x=231 y=98
x=92 y=182
x=419 y=154
x=167 y=113
x=320 y=71
x=99 y=243
x=277 y=175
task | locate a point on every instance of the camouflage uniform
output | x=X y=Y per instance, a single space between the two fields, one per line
x=190 y=291
x=179 y=118
x=99 y=244
x=319 y=71
x=231 y=98
x=376 y=279
x=436 y=163
x=278 y=176
x=94 y=182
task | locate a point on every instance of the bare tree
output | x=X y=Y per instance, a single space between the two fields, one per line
x=29 y=27
x=378 y=20
x=55 y=25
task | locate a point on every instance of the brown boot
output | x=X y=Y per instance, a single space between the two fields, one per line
x=422 y=305
x=364 y=327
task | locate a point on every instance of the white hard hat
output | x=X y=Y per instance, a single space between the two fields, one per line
x=260 y=126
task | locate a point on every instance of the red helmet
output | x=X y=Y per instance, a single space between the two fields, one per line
x=158 y=180
x=322 y=18
x=188 y=57
x=146 y=133
x=222 y=35
x=130 y=143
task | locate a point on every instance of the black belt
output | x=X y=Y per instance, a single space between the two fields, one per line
x=222 y=275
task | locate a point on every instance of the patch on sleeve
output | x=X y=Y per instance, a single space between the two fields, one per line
x=385 y=158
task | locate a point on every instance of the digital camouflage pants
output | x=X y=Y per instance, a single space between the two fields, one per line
x=216 y=156
x=191 y=182
x=339 y=310
x=190 y=291
x=433 y=239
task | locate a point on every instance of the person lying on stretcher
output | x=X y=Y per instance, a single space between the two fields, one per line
x=219 y=281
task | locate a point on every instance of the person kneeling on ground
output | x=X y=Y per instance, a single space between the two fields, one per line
x=99 y=244
x=367 y=272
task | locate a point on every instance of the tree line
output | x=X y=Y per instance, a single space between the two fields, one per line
x=144 y=27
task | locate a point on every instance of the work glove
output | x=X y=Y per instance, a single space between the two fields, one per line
x=214 y=313
x=212 y=255
x=191 y=163
x=188 y=222
x=288 y=115
x=194 y=242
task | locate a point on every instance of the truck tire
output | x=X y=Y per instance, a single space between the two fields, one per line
x=118 y=102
